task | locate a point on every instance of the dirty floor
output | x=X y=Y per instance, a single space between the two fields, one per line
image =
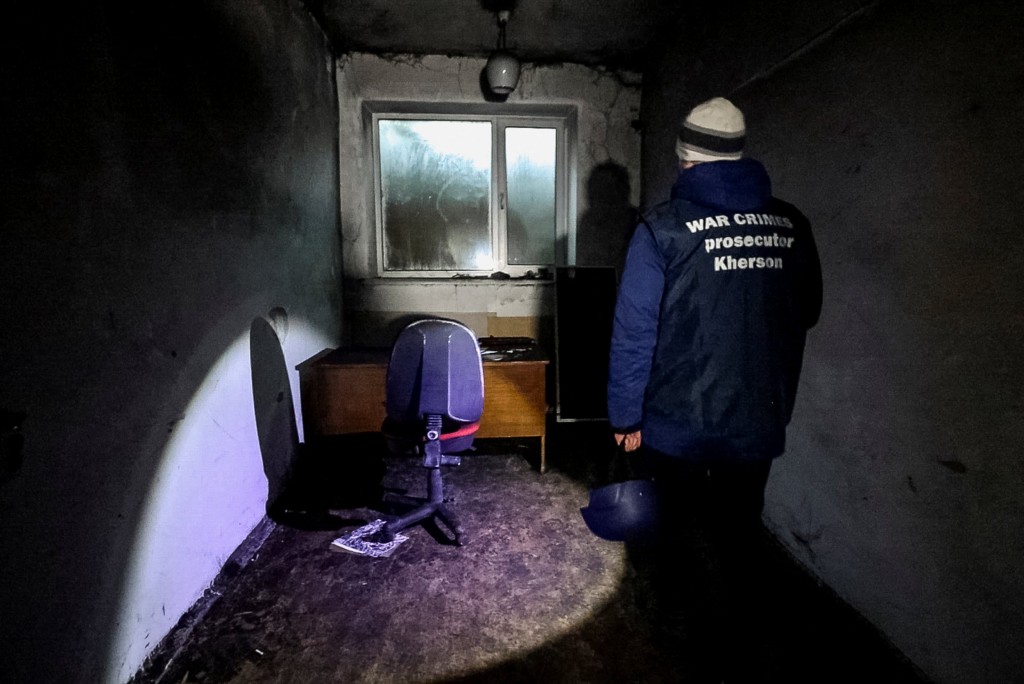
x=532 y=596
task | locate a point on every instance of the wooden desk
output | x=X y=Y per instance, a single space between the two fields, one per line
x=343 y=391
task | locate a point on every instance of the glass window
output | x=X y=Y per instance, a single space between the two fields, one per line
x=472 y=195
x=435 y=180
x=530 y=174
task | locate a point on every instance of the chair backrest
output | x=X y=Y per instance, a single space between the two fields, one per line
x=435 y=368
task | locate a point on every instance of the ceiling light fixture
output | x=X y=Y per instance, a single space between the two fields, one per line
x=502 y=66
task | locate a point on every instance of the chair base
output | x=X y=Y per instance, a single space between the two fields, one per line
x=434 y=507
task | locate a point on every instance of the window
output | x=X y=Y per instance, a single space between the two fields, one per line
x=468 y=194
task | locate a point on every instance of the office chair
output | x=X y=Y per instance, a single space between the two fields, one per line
x=434 y=400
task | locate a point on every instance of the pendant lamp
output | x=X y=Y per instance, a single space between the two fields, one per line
x=502 y=66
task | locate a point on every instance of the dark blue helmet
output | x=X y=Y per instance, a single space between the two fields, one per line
x=624 y=511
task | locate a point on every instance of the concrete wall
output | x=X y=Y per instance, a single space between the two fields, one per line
x=901 y=486
x=169 y=253
x=709 y=49
x=608 y=153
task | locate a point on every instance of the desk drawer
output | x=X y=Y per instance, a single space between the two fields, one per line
x=515 y=404
x=348 y=399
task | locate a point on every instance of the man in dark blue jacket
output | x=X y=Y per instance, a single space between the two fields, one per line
x=720 y=286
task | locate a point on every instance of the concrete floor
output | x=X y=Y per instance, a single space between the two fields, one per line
x=531 y=597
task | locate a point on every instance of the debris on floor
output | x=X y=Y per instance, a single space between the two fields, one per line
x=360 y=541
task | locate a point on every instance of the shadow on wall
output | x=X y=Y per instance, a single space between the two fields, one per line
x=304 y=480
x=605 y=228
x=272 y=401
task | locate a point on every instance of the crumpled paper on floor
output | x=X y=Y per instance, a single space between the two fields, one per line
x=357 y=541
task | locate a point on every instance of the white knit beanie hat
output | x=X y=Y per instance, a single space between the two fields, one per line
x=713 y=131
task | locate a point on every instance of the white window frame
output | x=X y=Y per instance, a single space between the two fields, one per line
x=560 y=118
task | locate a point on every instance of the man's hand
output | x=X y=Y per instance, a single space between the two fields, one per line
x=630 y=442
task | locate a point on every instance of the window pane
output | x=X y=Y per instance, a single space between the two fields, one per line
x=530 y=170
x=436 y=183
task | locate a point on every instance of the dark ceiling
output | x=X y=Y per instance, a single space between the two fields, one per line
x=613 y=33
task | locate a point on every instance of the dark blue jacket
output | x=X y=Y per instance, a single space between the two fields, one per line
x=720 y=286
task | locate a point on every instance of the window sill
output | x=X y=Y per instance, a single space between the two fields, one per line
x=541 y=275
x=481 y=281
